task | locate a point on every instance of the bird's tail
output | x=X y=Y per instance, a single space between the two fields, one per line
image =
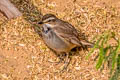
x=86 y=43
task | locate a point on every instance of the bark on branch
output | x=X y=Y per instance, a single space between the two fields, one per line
x=8 y=9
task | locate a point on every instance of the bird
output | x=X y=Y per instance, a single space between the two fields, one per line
x=61 y=36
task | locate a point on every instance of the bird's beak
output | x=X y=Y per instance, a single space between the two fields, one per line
x=40 y=22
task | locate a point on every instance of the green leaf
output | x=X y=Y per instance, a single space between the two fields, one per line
x=101 y=58
x=101 y=55
x=95 y=46
x=114 y=57
x=117 y=70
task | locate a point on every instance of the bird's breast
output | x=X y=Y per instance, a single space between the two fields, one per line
x=56 y=43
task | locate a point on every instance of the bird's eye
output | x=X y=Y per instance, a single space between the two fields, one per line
x=40 y=22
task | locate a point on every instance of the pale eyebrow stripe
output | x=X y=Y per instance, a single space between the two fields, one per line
x=51 y=18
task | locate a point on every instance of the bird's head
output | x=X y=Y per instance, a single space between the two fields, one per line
x=48 y=19
x=48 y=22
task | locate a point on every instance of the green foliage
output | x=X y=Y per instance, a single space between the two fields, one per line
x=107 y=52
x=116 y=75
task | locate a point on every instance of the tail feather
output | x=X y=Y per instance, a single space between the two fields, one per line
x=86 y=43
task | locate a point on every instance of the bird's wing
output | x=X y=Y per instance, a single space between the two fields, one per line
x=67 y=32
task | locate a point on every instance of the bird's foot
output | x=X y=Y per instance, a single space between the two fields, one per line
x=66 y=63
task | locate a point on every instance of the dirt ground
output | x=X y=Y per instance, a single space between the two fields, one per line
x=23 y=54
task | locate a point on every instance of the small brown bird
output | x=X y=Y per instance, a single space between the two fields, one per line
x=60 y=36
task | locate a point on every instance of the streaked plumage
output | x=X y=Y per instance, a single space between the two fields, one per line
x=59 y=35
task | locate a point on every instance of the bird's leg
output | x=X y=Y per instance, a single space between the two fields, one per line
x=61 y=58
x=66 y=63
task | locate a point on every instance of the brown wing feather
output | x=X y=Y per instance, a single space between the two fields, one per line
x=68 y=32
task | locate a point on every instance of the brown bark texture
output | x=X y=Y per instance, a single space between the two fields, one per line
x=8 y=9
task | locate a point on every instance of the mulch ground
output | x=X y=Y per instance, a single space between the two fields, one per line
x=23 y=54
